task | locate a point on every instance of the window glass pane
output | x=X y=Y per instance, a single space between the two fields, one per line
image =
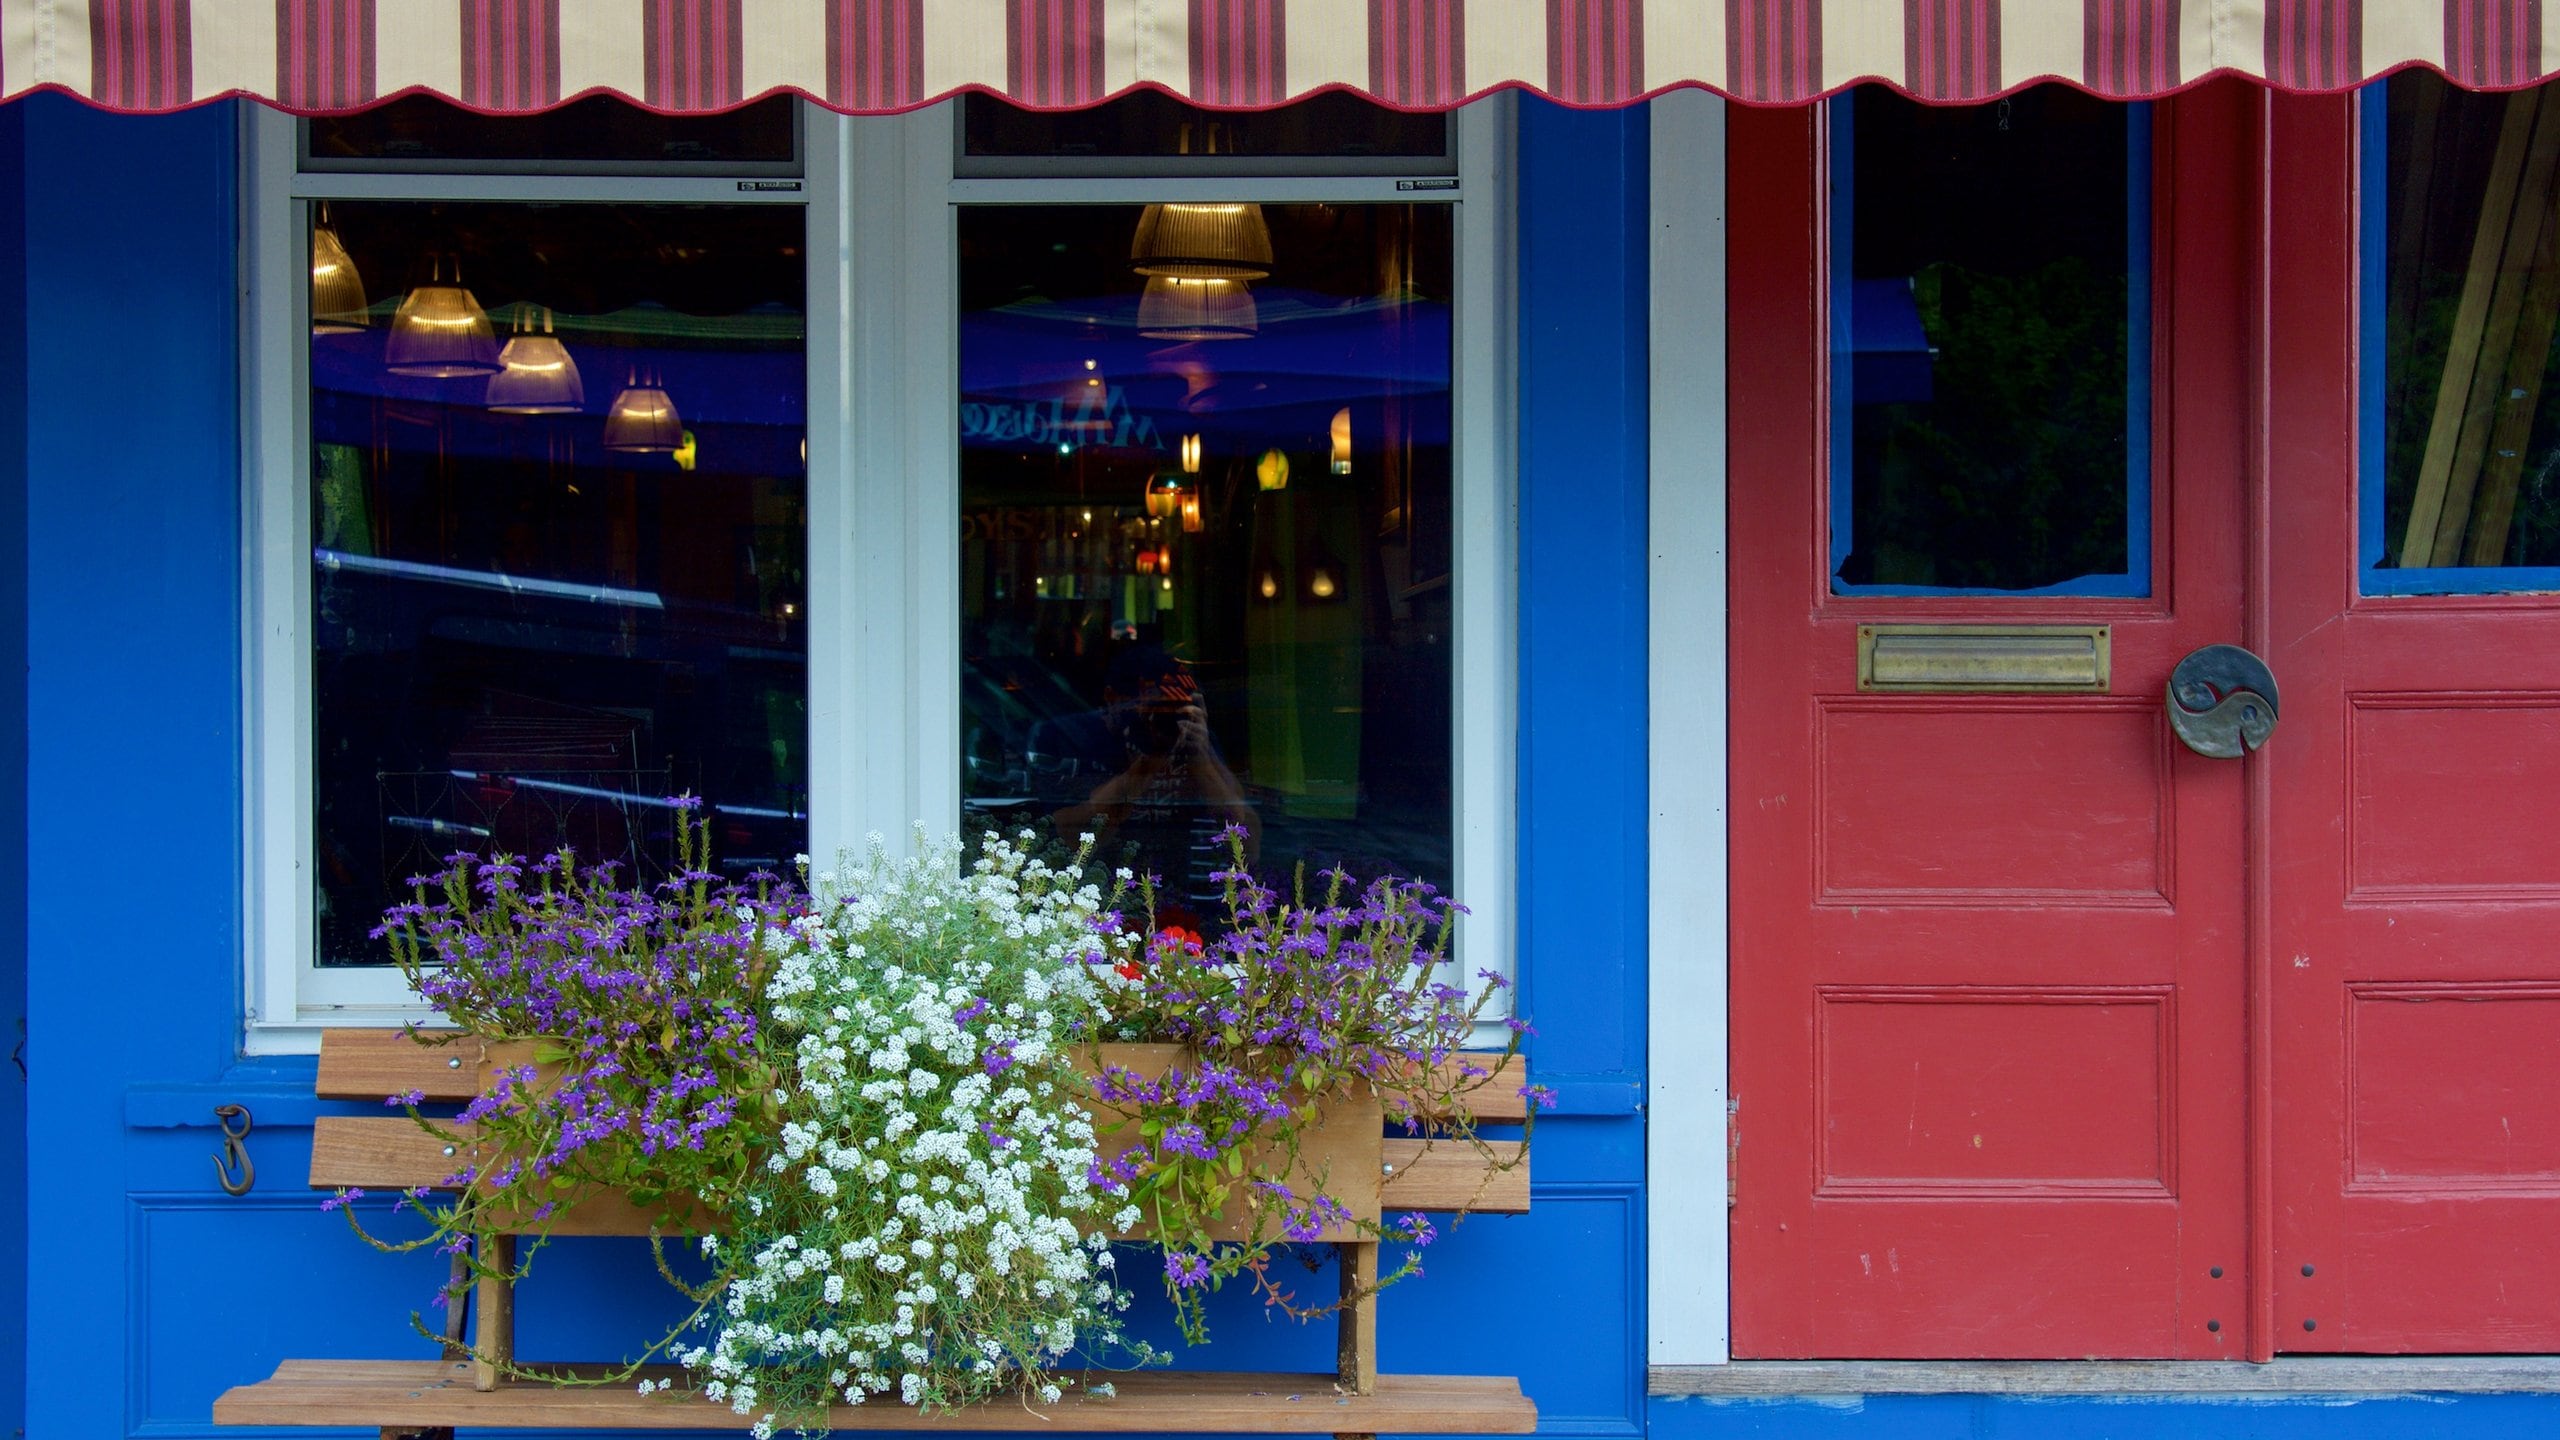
x=2462 y=287
x=599 y=134
x=1151 y=125
x=553 y=583
x=1206 y=530
x=1990 y=345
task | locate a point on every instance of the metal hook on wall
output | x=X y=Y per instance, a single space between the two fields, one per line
x=234 y=1158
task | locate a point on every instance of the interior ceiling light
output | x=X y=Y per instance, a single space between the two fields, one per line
x=537 y=375
x=337 y=291
x=1202 y=242
x=441 y=333
x=643 y=420
x=1179 y=307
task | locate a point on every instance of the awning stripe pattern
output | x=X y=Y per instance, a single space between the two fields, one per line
x=889 y=55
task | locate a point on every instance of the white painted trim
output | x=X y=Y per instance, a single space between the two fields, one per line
x=1687 y=1278
x=903 y=326
x=1486 y=667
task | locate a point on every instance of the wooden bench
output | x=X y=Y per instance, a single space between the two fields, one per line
x=430 y=1399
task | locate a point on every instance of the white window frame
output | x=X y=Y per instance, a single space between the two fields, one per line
x=884 y=500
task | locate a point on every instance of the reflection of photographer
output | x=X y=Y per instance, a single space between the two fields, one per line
x=1173 y=792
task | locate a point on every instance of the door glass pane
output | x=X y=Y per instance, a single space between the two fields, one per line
x=2461 y=289
x=1990 y=339
x=557 y=574
x=1205 y=532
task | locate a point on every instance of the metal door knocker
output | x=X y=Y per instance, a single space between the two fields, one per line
x=233 y=1167
x=2222 y=702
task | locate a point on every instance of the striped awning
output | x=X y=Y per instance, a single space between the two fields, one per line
x=888 y=55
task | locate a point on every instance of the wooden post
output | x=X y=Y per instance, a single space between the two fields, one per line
x=457 y=1308
x=495 y=1345
x=1356 y=1323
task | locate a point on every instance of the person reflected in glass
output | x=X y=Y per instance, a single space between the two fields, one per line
x=1167 y=797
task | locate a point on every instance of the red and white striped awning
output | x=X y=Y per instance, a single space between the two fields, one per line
x=888 y=55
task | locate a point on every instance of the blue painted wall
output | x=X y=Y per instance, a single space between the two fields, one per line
x=1582 y=615
x=13 y=766
x=132 y=785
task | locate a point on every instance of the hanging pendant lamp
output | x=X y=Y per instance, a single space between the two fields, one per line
x=441 y=333
x=643 y=420
x=1202 y=242
x=1178 y=307
x=537 y=375
x=337 y=292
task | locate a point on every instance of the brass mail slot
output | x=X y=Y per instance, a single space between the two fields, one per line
x=2030 y=659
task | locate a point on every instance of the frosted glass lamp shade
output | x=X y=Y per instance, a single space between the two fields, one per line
x=643 y=421
x=1342 y=441
x=1202 y=242
x=441 y=333
x=1177 y=307
x=337 y=291
x=537 y=376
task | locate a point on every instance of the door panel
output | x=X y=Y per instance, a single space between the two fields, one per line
x=1988 y=996
x=2415 y=989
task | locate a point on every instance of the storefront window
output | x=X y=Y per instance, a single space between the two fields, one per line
x=1990 y=334
x=1206 y=532
x=2461 y=291
x=558 y=539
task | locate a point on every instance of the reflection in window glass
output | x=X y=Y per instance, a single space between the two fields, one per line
x=2462 y=284
x=1206 y=531
x=1333 y=125
x=1990 y=350
x=558 y=538
x=599 y=134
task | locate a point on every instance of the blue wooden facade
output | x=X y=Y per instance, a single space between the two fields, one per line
x=133 y=1290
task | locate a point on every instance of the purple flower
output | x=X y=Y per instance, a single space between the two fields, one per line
x=1185 y=1268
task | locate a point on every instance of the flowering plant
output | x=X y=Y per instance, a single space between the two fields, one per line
x=877 y=1100
x=1299 y=1002
x=927 y=1225
x=641 y=1007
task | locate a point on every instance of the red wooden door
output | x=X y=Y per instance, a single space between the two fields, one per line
x=2414 y=857
x=1988 y=984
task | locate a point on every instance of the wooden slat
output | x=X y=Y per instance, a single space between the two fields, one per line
x=1444 y=1176
x=390 y=1152
x=386 y=1152
x=372 y=1064
x=1492 y=1099
x=436 y=1393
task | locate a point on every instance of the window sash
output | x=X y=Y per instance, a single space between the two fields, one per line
x=883 y=502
